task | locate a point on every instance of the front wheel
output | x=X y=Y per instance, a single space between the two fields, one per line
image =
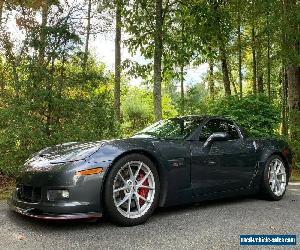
x=275 y=178
x=131 y=190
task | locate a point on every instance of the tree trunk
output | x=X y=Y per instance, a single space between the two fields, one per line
x=268 y=57
x=259 y=70
x=284 y=109
x=211 y=83
x=117 y=92
x=269 y=69
x=42 y=46
x=225 y=71
x=254 y=63
x=13 y=62
x=1 y=61
x=293 y=67
x=222 y=50
x=88 y=32
x=49 y=99
x=240 y=59
x=182 y=89
x=182 y=66
x=60 y=90
x=15 y=76
x=1 y=11
x=158 y=51
x=2 y=83
x=260 y=83
x=293 y=75
x=235 y=91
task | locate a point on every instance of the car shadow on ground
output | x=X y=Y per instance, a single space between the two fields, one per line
x=160 y=214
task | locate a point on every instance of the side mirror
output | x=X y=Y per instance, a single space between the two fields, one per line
x=219 y=136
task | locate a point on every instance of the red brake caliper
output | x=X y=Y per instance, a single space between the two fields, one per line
x=143 y=191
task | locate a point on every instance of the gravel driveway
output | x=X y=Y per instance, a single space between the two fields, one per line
x=207 y=225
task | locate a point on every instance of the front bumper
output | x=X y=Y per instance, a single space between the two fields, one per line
x=84 y=200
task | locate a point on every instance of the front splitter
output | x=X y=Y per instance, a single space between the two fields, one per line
x=33 y=213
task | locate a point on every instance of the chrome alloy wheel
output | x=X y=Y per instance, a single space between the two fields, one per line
x=134 y=189
x=277 y=177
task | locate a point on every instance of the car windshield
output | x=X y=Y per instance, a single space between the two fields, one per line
x=175 y=128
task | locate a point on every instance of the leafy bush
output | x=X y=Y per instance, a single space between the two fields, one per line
x=137 y=109
x=295 y=137
x=257 y=114
x=295 y=145
x=42 y=117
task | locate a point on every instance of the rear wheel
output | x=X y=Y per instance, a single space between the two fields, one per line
x=275 y=178
x=131 y=190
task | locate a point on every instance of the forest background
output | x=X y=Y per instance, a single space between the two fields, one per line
x=54 y=88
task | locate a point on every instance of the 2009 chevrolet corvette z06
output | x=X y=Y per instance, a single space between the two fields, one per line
x=174 y=161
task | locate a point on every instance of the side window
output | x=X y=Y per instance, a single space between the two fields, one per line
x=215 y=125
x=232 y=131
x=212 y=126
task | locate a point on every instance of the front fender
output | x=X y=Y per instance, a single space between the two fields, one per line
x=112 y=151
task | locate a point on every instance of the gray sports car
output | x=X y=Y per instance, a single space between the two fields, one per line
x=174 y=161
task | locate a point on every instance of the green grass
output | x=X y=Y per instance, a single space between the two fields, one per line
x=5 y=193
x=7 y=185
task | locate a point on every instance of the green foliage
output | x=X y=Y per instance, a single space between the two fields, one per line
x=194 y=100
x=47 y=97
x=295 y=136
x=255 y=113
x=168 y=107
x=137 y=110
x=295 y=145
x=78 y=113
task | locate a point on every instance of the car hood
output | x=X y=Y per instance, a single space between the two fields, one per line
x=66 y=152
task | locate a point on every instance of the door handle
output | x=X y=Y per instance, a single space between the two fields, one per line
x=210 y=163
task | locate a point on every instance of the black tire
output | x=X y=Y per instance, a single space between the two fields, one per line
x=110 y=209
x=265 y=189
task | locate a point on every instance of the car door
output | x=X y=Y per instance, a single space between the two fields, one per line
x=224 y=165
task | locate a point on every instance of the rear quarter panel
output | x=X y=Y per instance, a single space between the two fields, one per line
x=268 y=147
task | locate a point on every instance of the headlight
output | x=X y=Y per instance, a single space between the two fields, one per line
x=58 y=194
